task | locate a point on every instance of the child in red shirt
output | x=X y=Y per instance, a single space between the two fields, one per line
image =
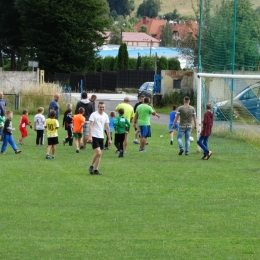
x=23 y=123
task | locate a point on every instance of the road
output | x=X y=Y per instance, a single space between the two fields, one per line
x=112 y=100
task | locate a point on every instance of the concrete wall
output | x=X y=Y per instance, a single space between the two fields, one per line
x=15 y=81
x=176 y=81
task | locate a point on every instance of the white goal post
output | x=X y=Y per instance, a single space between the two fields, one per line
x=212 y=75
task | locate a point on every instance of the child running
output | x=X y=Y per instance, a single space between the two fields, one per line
x=78 y=124
x=172 y=117
x=68 y=125
x=39 y=121
x=206 y=132
x=122 y=126
x=52 y=125
x=111 y=128
x=7 y=134
x=23 y=123
x=2 y=123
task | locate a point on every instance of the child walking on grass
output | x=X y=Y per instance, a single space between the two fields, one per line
x=207 y=123
x=78 y=124
x=67 y=123
x=51 y=126
x=39 y=121
x=172 y=117
x=111 y=128
x=122 y=126
x=23 y=123
x=7 y=134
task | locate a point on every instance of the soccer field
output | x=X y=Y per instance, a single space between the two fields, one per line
x=153 y=205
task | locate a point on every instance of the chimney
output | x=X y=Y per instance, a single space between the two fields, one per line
x=145 y=18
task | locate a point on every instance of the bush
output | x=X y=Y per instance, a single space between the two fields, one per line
x=174 y=64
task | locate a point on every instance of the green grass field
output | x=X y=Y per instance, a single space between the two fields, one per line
x=154 y=205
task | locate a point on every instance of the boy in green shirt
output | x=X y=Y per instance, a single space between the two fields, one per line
x=122 y=127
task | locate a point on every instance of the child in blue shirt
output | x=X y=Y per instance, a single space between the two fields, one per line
x=111 y=127
x=172 y=117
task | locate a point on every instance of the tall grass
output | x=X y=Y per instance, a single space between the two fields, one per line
x=34 y=95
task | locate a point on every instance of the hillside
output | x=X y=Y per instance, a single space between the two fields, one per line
x=184 y=7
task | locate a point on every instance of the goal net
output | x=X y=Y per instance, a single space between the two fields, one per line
x=236 y=104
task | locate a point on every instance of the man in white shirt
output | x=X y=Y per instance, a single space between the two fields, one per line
x=98 y=120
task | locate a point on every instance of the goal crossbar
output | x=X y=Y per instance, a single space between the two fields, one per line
x=229 y=76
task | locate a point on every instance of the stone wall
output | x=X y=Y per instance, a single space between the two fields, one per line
x=176 y=81
x=14 y=81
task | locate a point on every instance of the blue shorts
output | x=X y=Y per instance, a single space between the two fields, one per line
x=145 y=131
x=172 y=129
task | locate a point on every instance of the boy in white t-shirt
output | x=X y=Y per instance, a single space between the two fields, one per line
x=39 y=121
x=98 y=120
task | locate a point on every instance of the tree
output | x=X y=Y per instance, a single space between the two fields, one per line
x=122 y=58
x=147 y=63
x=121 y=7
x=162 y=63
x=167 y=35
x=216 y=48
x=115 y=35
x=143 y=28
x=132 y=63
x=172 y=15
x=10 y=41
x=63 y=35
x=174 y=64
x=149 y=8
x=138 y=61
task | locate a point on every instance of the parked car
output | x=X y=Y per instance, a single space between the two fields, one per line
x=245 y=104
x=146 y=89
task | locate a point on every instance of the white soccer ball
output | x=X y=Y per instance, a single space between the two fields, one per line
x=191 y=139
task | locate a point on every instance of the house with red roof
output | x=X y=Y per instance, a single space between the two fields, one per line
x=181 y=31
x=154 y=26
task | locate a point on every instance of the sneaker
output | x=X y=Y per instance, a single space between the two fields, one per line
x=91 y=170
x=21 y=143
x=171 y=142
x=142 y=150
x=146 y=143
x=181 y=151
x=204 y=157
x=186 y=154
x=53 y=157
x=17 y=151
x=135 y=142
x=97 y=172
x=209 y=153
x=121 y=154
x=77 y=150
x=82 y=147
x=105 y=148
x=64 y=141
x=48 y=157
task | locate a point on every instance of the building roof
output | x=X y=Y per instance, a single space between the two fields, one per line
x=154 y=26
x=137 y=37
x=189 y=27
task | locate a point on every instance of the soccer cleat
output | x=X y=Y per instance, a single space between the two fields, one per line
x=142 y=150
x=97 y=172
x=171 y=142
x=181 y=151
x=48 y=157
x=121 y=154
x=91 y=170
x=77 y=150
x=135 y=142
x=17 y=151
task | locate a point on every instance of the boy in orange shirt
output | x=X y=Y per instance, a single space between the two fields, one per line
x=78 y=123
